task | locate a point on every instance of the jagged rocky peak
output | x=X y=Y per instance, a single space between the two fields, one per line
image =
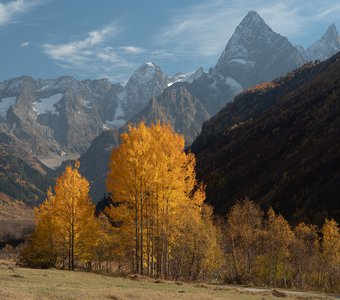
x=326 y=46
x=64 y=82
x=146 y=72
x=255 y=53
x=178 y=106
x=331 y=34
x=146 y=82
x=253 y=20
x=15 y=85
x=251 y=28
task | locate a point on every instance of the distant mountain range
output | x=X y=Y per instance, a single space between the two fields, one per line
x=254 y=54
x=62 y=119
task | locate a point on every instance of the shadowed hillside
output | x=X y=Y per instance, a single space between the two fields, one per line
x=279 y=144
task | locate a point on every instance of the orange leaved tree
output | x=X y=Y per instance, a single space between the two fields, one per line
x=66 y=228
x=151 y=179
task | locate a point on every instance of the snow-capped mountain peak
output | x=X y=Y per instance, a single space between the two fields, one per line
x=249 y=36
x=147 y=81
x=255 y=48
x=145 y=73
x=326 y=46
x=150 y=64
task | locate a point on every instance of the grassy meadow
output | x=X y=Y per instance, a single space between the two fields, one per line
x=25 y=284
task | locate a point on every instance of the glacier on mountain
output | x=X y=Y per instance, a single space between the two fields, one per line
x=47 y=105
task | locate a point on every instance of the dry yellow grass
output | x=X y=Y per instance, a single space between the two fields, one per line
x=27 y=284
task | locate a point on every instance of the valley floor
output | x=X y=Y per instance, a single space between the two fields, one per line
x=21 y=283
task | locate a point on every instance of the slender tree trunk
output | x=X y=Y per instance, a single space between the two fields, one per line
x=141 y=236
x=152 y=253
x=157 y=245
x=234 y=254
x=166 y=265
x=148 y=212
x=136 y=236
x=69 y=250
x=72 y=247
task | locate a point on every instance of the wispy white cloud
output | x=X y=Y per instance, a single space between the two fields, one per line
x=80 y=50
x=148 y=54
x=133 y=50
x=91 y=54
x=203 y=29
x=11 y=11
x=24 y=44
x=329 y=10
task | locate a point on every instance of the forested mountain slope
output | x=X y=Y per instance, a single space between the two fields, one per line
x=279 y=144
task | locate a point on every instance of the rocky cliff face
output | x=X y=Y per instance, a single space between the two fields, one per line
x=59 y=118
x=146 y=82
x=178 y=106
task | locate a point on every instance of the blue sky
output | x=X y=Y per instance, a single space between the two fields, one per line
x=107 y=38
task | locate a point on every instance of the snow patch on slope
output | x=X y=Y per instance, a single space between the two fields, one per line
x=150 y=64
x=242 y=61
x=44 y=88
x=186 y=77
x=43 y=106
x=118 y=119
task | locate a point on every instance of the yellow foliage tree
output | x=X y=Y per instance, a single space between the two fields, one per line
x=150 y=178
x=278 y=237
x=66 y=228
x=244 y=227
x=305 y=254
x=42 y=250
x=195 y=252
x=330 y=271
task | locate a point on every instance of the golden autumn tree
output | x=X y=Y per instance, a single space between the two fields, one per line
x=66 y=228
x=42 y=250
x=195 y=251
x=278 y=236
x=150 y=178
x=305 y=255
x=330 y=246
x=243 y=231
